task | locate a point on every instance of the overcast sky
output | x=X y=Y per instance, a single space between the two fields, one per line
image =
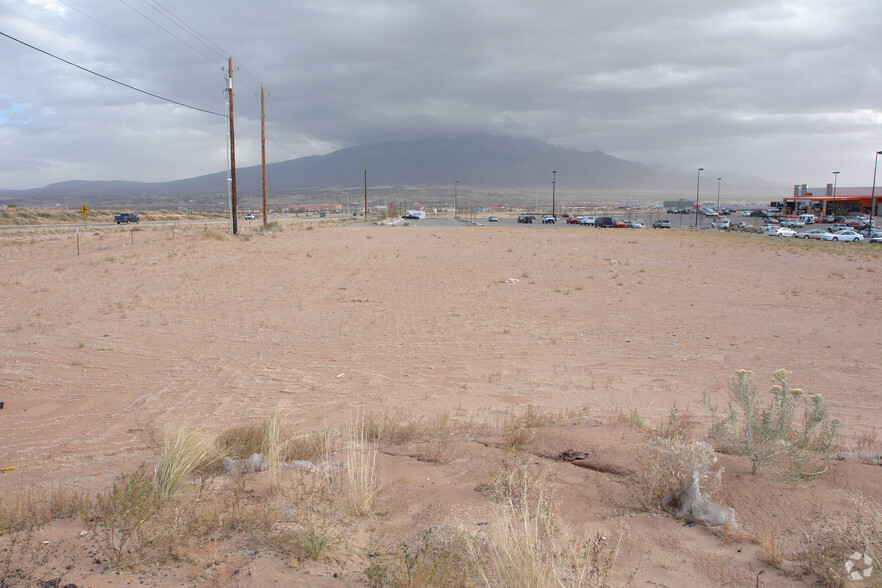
x=789 y=91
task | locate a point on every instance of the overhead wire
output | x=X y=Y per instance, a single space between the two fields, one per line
x=171 y=33
x=128 y=38
x=71 y=63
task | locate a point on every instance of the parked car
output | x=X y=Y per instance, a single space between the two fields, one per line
x=586 y=220
x=847 y=235
x=525 y=218
x=793 y=223
x=572 y=221
x=548 y=219
x=767 y=227
x=492 y=219
x=877 y=239
x=662 y=223
x=839 y=227
x=635 y=224
x=250 y=216
x=711 y=213
x=812 y=234
x=721 y=223
x=745 y=213
x=603 y=222
x=619 y=224
x=781 y=232
x=827 y=219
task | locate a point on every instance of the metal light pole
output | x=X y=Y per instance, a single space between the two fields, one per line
x=553 y=178
x=718 y=193
x=835 y=175
x=455 y=194
x=697 y=187
x=873 y=195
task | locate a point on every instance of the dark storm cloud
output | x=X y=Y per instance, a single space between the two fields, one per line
x=775 y=89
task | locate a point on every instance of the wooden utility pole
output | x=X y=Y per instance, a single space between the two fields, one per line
x=365 y=194
x=234 y=208
x=263 y=149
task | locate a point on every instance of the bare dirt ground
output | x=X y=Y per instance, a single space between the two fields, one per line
x=102 y=351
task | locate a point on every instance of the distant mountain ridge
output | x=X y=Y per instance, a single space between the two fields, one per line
x=476 y=161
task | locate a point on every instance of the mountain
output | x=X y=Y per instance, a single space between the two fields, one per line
x=476 y=161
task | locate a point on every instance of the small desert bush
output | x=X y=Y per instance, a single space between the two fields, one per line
x=787 y=439
x=119 y=515
x=862 y=447
x=521 y=430
x=514 y=481
x=438 y=556
x=312 y=537
x=679 y=424
x=663 y=463
x=831 y=540
x=770 y=550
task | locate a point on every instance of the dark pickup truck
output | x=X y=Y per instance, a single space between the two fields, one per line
x=126 y=217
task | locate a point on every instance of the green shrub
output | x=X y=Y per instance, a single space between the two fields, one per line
x=119 y=515
x=789 y=440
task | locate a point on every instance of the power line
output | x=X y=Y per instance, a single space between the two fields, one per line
x=111 y=79
x=124 y=36
x=171 y=33
x=179 y=22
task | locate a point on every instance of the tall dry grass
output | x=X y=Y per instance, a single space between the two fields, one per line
x=185 y=451
x=362 y=479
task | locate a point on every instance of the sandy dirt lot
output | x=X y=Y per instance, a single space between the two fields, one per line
x=142 y=331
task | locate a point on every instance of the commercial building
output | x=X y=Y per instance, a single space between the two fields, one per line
x=845 y=201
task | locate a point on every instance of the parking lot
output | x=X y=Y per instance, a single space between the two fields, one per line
x=677 y=221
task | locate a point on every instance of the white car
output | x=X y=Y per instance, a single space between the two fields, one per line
x=781 y=232
x=767 y=227
x=848 y=235
x=745 y=213
x=839 y=227
x=813 y=234
x=721 y=223
x=586 y=220
x=793 y=223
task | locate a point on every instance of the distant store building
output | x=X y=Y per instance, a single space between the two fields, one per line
x=847 y=201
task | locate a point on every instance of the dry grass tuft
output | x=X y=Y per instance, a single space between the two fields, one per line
x=362 y=480
x=185 y=452
x=831 y=540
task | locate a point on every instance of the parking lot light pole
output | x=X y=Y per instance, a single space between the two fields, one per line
x=553 y=178
x=835 y=175
x=718 y=193
x=455 y=194
x=873 y=195
x=697 y=187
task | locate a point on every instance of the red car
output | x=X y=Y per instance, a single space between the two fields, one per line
x=572 y=221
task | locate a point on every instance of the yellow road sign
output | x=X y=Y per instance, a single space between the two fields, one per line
x=85 y=210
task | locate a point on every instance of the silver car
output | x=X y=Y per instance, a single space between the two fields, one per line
x=813 y=234
x=848 y=235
